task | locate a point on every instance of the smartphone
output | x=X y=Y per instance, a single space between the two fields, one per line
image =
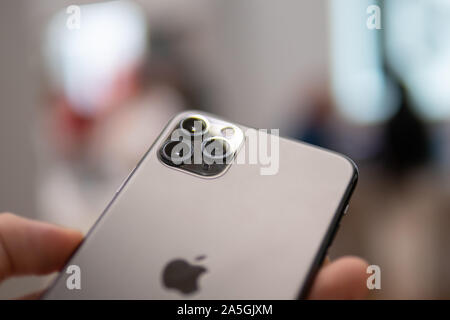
x=205 y=215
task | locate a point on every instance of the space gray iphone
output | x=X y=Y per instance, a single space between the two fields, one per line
x=186 y=225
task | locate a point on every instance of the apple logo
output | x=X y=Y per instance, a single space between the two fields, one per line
x=181 y=275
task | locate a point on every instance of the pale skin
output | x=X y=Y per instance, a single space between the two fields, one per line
x=29 y=247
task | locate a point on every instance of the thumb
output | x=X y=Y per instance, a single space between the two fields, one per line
x=32 y=247
x=344 y=278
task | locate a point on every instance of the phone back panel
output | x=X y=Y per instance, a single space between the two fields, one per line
x=257 y=236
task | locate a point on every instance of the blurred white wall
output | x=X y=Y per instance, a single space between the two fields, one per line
x=17 y=111
x=271 y=51
x=17 y=115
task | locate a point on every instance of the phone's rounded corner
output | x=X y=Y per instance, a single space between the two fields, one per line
x=353 y=168
x=189 y=112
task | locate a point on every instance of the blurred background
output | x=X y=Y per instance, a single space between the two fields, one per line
x=81 y=103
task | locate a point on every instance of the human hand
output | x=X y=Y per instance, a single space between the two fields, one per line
x=33 y=247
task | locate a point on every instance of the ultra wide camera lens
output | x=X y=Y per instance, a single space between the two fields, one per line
x=194 y=125
x=216 y=150
x=176 y=152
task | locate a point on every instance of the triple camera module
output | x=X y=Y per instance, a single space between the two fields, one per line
x=201 y=145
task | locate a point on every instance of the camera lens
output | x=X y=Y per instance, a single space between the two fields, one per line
x=195 y=126
x=176 y=152
x=216 y=149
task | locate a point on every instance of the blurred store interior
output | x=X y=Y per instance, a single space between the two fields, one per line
x=79 y=107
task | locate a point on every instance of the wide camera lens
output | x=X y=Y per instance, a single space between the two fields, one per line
x=176 y=152
x=216 y=150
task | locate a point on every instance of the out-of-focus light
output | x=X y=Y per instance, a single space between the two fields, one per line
x=365 y=97
x=84 y=63
x=361 y=91
x=418 y=47
x=430 y=89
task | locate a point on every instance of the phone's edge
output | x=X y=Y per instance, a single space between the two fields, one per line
x=330 y=234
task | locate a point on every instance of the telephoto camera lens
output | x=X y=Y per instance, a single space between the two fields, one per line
x=216 y=150
x=195 y=126
x=177 y=152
